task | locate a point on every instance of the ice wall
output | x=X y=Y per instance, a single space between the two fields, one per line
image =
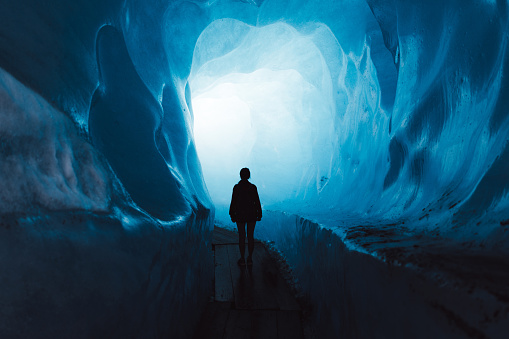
x=383 y=111
x=104 y=214
x=451 y=90
x=438 y=291
x=45 y=164
x=408 y=229
x=404 y=114
x=75 y=274
x=85 y=60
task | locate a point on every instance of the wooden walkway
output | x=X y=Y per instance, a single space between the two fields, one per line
x=249 y=302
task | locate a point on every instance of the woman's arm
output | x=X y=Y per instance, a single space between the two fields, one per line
x=258 y=206
x=233 y=206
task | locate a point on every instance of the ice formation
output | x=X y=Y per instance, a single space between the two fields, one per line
x=367 y=125
x=389 y=136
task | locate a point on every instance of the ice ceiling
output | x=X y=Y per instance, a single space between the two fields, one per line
x=271 y=112
x=368 y=109
x=124 y=124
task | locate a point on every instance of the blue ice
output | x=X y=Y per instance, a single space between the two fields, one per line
x=123 y=125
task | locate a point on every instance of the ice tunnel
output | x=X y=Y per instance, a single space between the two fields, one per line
x=375 y=130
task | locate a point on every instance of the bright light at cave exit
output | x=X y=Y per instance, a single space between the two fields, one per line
x=269 y=119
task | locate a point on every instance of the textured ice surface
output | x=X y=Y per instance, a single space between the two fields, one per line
x=104 y=215
x=262 y=112
x=78 y=260
x=422 y=288
x=123 y=121
x=44 y=163
x=414 y=174
x=355 y=114
x=417 y=133
x=84 y=275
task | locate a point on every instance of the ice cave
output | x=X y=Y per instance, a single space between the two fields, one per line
x=376 y=132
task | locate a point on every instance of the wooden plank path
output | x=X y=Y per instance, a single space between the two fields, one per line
x=249 y=302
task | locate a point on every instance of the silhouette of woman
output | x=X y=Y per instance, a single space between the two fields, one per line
x=245 y=209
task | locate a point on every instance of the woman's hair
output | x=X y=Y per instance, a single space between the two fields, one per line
x=244 y=173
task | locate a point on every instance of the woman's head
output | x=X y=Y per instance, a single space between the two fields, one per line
x=245 y=174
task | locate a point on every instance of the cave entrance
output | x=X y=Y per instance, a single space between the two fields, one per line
x=262 y=98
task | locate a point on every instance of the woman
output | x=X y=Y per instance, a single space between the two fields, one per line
x=245 y=209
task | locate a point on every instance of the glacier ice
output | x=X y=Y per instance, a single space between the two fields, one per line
x=45 y=164
x=403 y=135
x=95 y=242
x=279 y=133
x=362 y=117
x=123 y=120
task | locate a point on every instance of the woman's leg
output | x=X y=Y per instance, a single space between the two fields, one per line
x=250 y=237
x=241 y=226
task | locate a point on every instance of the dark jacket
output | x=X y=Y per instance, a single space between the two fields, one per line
x=245 y=205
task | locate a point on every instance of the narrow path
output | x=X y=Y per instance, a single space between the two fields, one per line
x=249 y=302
